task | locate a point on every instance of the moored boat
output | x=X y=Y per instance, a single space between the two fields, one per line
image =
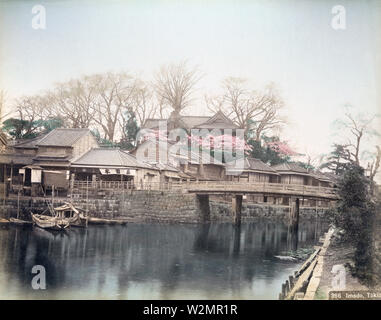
x=52 y=223
x=75 y=217
x=4 y=221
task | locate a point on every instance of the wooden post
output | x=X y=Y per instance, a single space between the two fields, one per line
x=10 y=182
x=294 y=210
x=18 y=204
x=87 y=196
x=5 y=187
x=237 y=208
x=293 y=226
x=297 y=209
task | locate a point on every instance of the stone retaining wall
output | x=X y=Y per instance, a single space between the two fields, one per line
x=158 y=206
x=222 y=211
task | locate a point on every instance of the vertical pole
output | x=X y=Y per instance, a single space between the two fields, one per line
x=237 y=209
x=5 y=186
x=297 y=209
x=294 y=222
x=87 y=195
x=18 y=204
x=53 y=195
x=10 y=182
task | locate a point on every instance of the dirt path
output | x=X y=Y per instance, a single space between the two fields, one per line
x=337 y=254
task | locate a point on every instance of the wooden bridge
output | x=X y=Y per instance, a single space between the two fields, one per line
x=205 y=188
x=270 y=189
x=238 y=189
x=218 y=187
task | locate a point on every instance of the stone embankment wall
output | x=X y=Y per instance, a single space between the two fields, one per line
x=156 y=206
x=222 y=211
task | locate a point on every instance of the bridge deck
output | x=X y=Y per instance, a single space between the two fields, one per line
x=275 y=189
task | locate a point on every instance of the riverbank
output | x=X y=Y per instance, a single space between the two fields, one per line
x=338 y=254
x=342 y=254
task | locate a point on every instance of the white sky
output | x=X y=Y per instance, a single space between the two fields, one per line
x=288 y=42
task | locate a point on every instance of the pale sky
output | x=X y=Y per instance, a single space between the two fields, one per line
x=289 y=42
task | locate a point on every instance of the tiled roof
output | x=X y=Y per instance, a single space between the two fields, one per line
x=164 y=167
x=62 y=137
x=16 y=159
x=252 y=164
x=290 y=167
x=28 y=143
x=330 y=176
x=108 y=157
x=153 y=123
x=218 y=120
x=193 y=121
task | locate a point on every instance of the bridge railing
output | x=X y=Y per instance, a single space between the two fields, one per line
x=260 y=187
x=208 y=186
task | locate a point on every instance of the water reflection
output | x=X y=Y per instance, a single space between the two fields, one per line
x=152 y=261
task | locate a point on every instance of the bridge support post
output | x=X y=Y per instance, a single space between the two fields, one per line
x=293 y=226
x=203 y=207
x=293 y=223
x=237 y=209
x=295 y=206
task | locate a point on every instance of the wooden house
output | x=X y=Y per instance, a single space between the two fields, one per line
x=113 y=164
x=251 y=170
x=184 y=160
x=57 y=150
x=291 y=173
x=13 y=159
x=218 y=121
x=45 y=160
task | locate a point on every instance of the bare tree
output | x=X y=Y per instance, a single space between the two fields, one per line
x=3 y=103
x=74 y=101
x=270 y=103
x=375 y=165
x=358 y=127
x=253 y=111
x=31 y=109
x=161 y=107
x=114 y=93
x=143 y=102
x=174 y=85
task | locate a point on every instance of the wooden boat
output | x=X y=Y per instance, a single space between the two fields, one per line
x=61 y=218
x=4 y=221
x=75 y=217
x=53 y=223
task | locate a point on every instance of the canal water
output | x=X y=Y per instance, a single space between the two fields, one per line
x=152 y=261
